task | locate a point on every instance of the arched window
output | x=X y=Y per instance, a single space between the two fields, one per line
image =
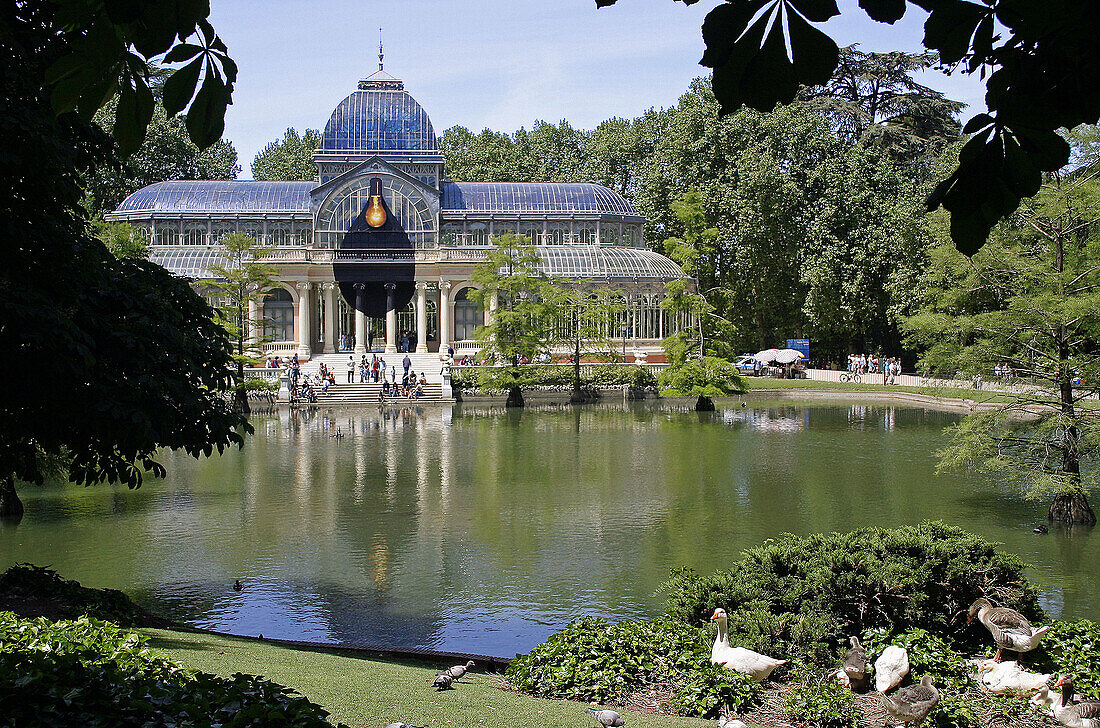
x=503 y=227
x=451 y=234
x=279 y=316
x=278 y=235
x=630 y=235
x=253 y=230
x=303 y=235
x=220 y=229
x=532 y=230
x=406 y=322
x=584 y=232
x=404 y=200
x=609 y=233
x=557 y=233
x=194 y=233
x=468 y=316
x=477 y=233
x=166 y=233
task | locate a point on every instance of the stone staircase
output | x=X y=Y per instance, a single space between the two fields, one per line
x=367 y=393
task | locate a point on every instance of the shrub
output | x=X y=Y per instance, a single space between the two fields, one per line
x=804 y=595
x=593 y=660
x=710 y=689
x=489 y=380
x=91 y=674
x=1073 y=648
x=27 y=585
x=824 y=703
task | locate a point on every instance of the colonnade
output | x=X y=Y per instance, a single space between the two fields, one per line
x=329 y=293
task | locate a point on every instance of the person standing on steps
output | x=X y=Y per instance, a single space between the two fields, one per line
x=351 y=369
x=405 y=364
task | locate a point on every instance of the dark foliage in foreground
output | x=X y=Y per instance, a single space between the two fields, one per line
x=88 y=674
x=804 y=595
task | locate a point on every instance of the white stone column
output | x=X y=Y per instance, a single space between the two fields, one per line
x=332 y=317
x=305 y=316
x=421 y=317
x=446 y=316
x=360 y=323
x=391 y=320
x=255 y=325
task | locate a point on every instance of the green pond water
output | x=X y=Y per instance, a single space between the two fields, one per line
x=475 y=530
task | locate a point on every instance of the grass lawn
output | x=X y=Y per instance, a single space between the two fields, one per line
x=365 y=692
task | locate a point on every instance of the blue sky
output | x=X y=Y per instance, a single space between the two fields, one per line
x=499 y=64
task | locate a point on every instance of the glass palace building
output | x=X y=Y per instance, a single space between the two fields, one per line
x=344 y=276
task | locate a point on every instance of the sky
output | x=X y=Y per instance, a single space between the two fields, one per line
x=497 y=64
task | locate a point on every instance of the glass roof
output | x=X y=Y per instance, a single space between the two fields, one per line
x=199 y=196
x=188 y=262
x=544 y=197
x=377 y=118
x=596 y=261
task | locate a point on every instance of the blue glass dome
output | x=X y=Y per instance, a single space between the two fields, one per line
x=379 y=117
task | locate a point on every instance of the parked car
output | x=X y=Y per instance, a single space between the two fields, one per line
x=746 y=365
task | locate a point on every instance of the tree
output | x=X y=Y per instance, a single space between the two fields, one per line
x=1040 y=61
x=126 y=357
x=524 y=305
x=1030 y=299
x=121 y=239
x=808 y=235
x=241 y=284
x=873 y=99
x=489 y=156
x=166 y=153
x=289 y=159
x=591 y=313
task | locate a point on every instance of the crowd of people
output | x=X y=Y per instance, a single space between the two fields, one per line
x=862 y=364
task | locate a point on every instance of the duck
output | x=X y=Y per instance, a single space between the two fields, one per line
x=1010 y=629
x=1085 y=714
x=912 y=704
x=237 y=586
x=443 y=681
x=731 y=723
x=891 y=668
x=1004 y=677
x=753 y=664
x=606 y=718
x=855 y=666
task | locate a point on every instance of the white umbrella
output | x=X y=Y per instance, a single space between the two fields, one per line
x=788 y=356
x=767 y=356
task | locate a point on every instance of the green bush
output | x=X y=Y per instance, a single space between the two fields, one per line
x=825 y=703
x=29 y=583
x=495 y=380
x=593 y=660
x=1073 y=648
x=709 y=690
x=805 y=595
x=91 y=674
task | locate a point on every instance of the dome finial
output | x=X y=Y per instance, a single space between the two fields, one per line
x=379 y=49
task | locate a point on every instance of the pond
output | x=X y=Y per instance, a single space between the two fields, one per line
x=469 y=529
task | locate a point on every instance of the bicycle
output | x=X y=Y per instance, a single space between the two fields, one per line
x=849 y=377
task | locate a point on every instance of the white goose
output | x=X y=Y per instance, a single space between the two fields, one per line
x=753 y=664
x=1003 y=677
